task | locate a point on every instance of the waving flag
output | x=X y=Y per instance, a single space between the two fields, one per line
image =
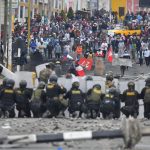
x=89 y=64
x=86 y=63
x=80 y=71
x=109 y=55
x=82 y=62
x=99 y=54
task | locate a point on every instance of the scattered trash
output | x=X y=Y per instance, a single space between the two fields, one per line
x=6 y=126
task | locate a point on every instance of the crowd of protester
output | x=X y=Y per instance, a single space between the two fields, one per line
x=82 y=34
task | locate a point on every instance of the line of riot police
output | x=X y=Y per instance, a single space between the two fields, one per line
x=52 y=100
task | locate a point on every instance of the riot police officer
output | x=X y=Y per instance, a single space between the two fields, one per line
x=53 y=92
x=75 y=98
x=23 y=96
x=110 y=86
x=38 y=100
x=3 y=85
x=130 y=98
x=93 y=99
x=108 y=104
x=8 y=100
x=145 y=95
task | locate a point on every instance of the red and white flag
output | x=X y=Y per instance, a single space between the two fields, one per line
x=82 y=62
x=80 y=71
x=110 y=55
x=99 y=54
x=89 y=64
x=86 y=63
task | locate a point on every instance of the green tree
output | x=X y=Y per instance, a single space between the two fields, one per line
x=70 y=13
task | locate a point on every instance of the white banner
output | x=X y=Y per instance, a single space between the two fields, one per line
x=122 y=62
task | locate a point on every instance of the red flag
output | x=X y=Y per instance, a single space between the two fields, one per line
x=109 y=55
x=82 y=62
x=80 y=71
x=89 y=64
x=99 y=54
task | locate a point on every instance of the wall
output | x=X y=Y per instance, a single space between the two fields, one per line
x=133 y=5
x=118 y=3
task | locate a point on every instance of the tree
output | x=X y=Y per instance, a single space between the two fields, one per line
x=70 y=13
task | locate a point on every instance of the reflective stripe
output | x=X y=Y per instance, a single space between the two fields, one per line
x=96 y=91
x=18 y=91
x=77 y=135
x=50 y=86
x=76 y=92
x=9 y=91
x=130 y=93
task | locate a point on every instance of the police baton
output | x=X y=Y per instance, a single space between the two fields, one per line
x=130 y=132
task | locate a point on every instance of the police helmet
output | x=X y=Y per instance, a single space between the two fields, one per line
x=98 y=86
x=10 y=83
x=147 y=81
x=131 y=84
x=41 y=85
x=75 y=84
x=23 y=84
x=88 y=78
x=109 y=76
x=53 y=78
x=5 y=81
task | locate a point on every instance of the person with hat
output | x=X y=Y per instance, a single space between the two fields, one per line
x=115 y=92
x=145 y=95
x=75 y=98
x=23 y=96
x=8 y=100
x=130 y=97
x=94 y=97
x=55 y=98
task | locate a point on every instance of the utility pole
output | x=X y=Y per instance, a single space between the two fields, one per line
x=97 y=4
x=62 y=4
x=29 y=22
x=110 y=9
x=9 y=48
x=5 y=27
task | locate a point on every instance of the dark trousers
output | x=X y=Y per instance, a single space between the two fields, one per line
x=104 y=52
x=122 y=69
x=147 y=110
x=50 y=56
x=147 y=61
x=141 y=61
x=57 y=55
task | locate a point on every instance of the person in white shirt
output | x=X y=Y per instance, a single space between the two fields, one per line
x=146 y=56
x=104 y=47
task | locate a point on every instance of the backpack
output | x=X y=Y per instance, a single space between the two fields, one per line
x=147 y=95
x=36 y=95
